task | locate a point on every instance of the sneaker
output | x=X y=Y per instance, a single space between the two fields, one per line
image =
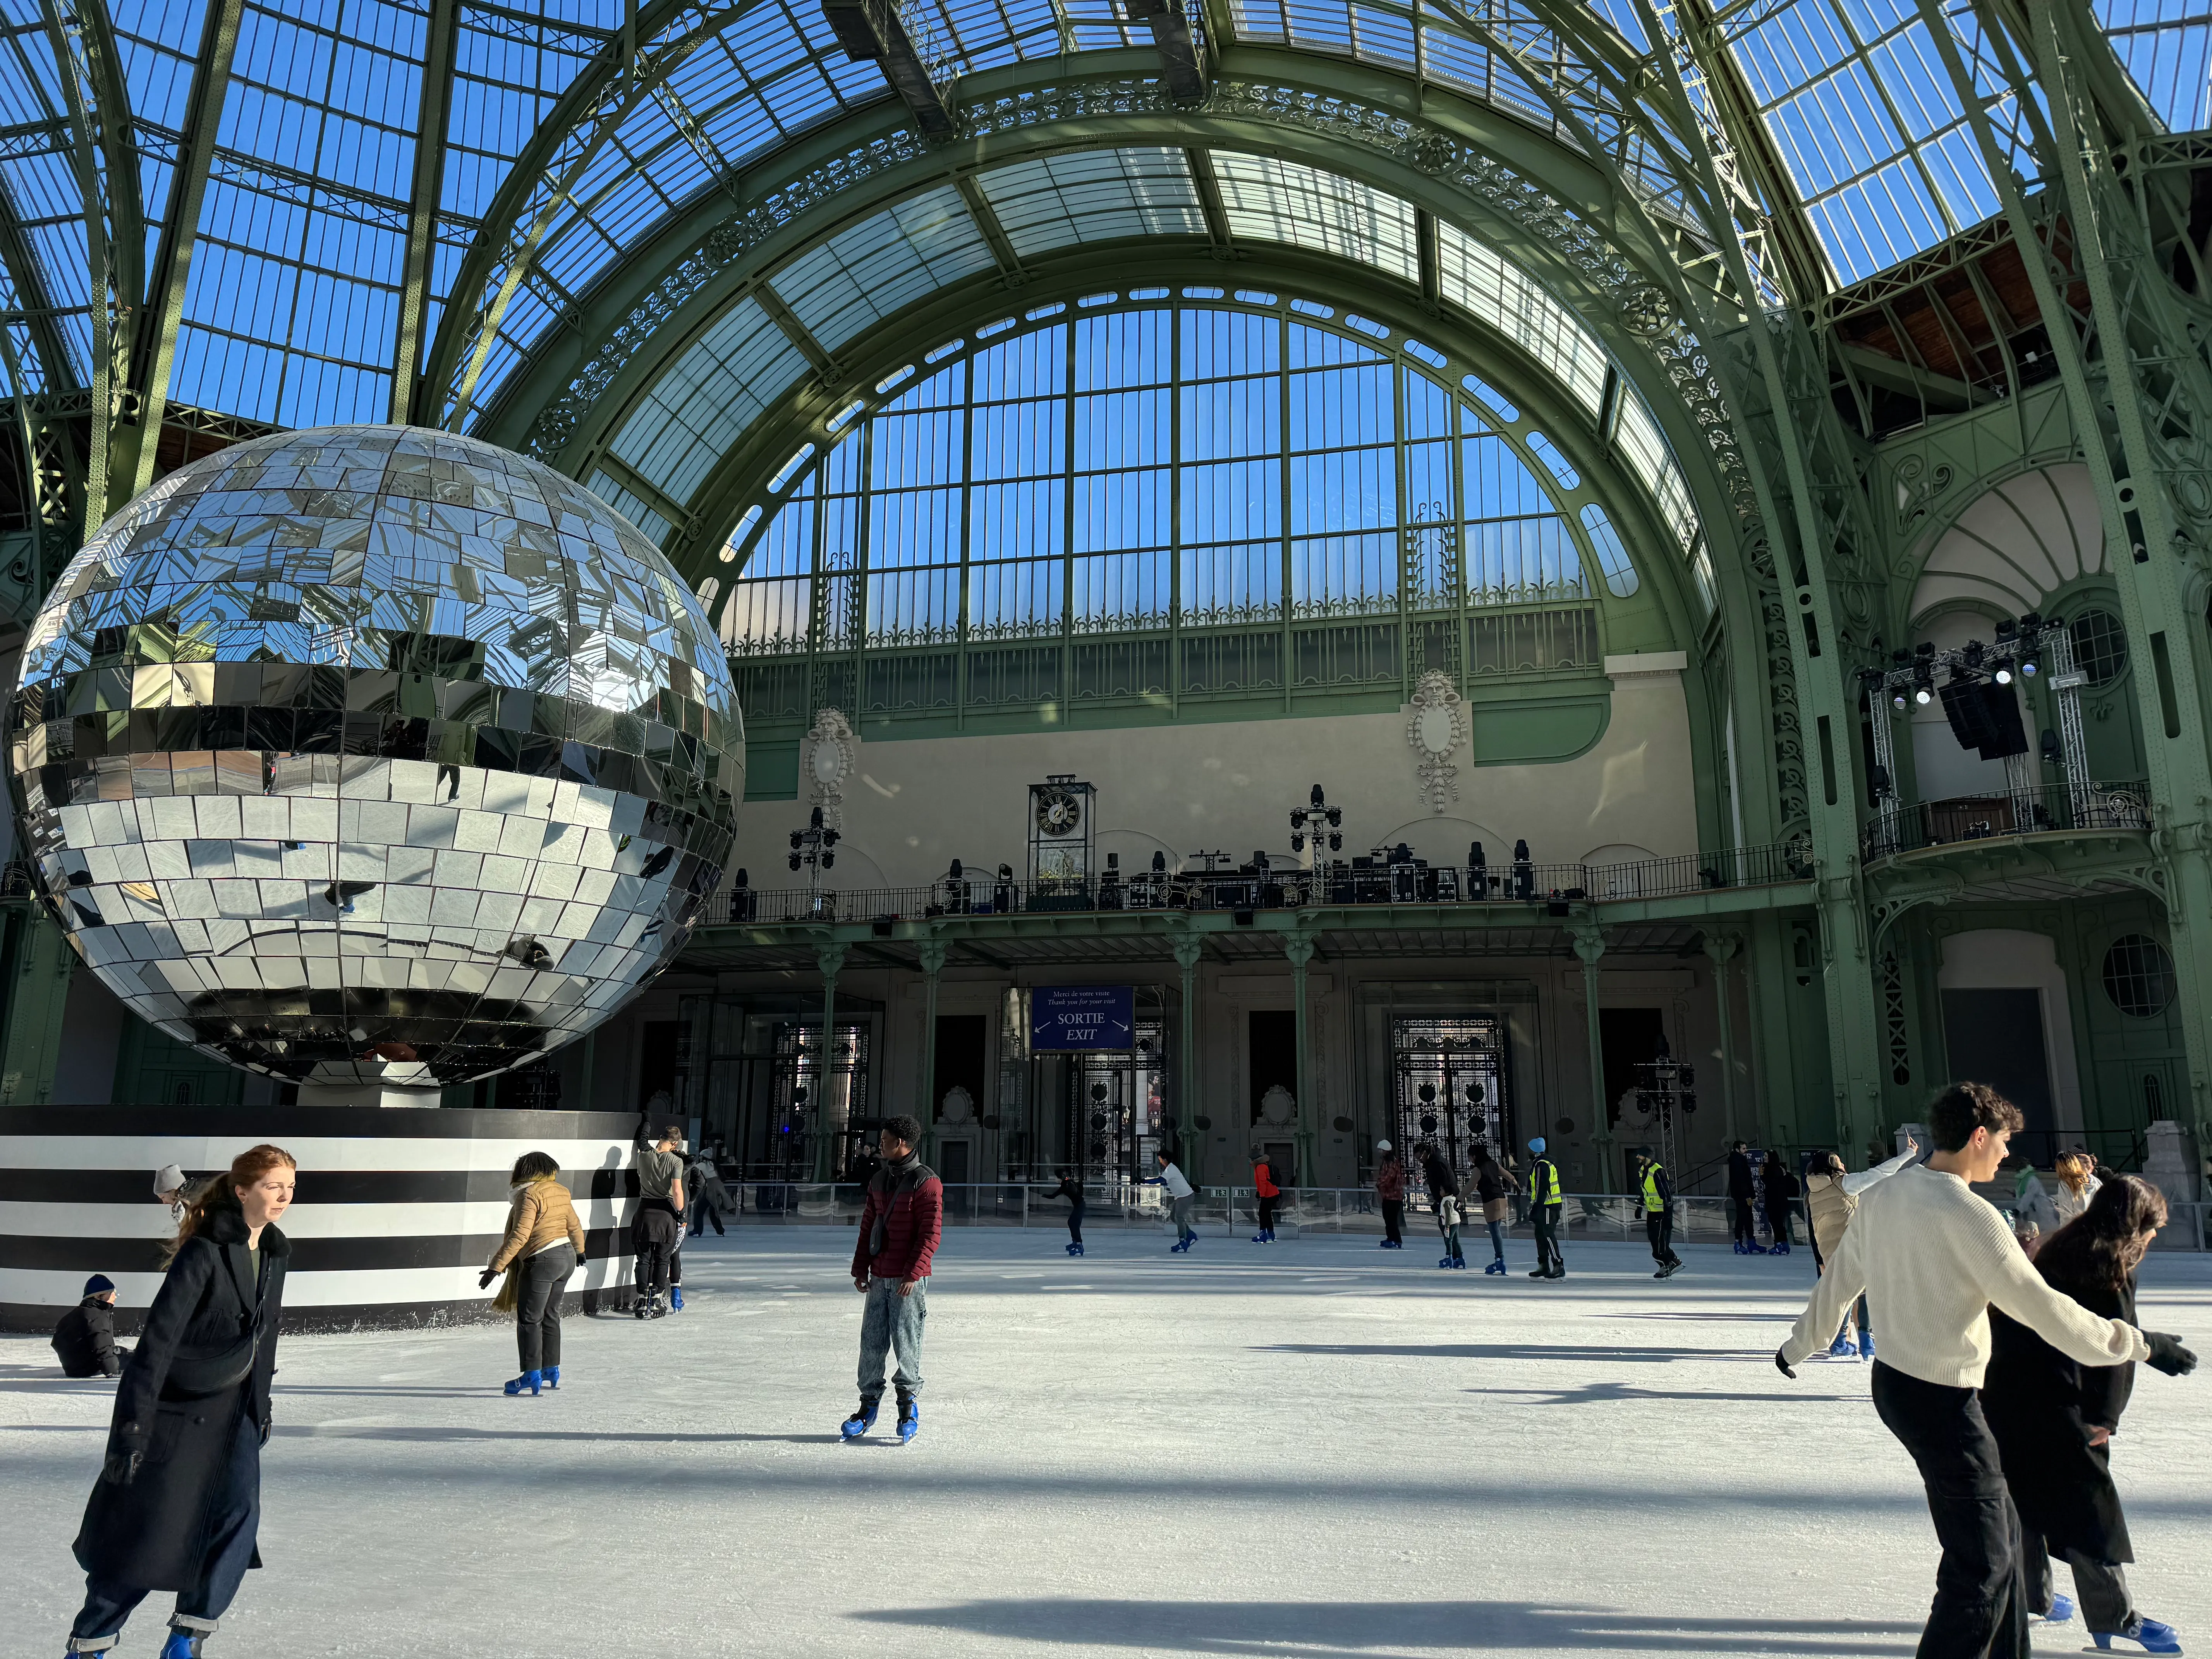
x=2147 y=1634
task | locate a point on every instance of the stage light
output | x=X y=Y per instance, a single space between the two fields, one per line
x=1972 y=654
x=2003 y=672
x=2029 y=668
x=1901 y=701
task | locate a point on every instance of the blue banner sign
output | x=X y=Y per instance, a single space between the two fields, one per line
x=1065 y=1017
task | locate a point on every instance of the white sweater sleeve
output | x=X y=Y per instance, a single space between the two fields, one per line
x=1837 y=1287
x=2013 y=1287
x=1859 y=1180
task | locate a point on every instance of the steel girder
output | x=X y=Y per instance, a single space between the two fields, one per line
x=429 y=179
x=90 y=72
x=2131 y=351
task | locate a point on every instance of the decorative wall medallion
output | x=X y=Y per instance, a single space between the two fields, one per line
x=959 y=1106
x=1436 y=725
x=1276 y=1106
x=829 y=762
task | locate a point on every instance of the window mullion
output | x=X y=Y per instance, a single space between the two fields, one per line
x=1282 y=447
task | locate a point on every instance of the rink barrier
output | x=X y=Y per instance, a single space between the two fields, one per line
x=1225 y=1211
x=398 y=1209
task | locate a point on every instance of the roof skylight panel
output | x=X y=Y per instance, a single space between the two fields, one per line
x=2165 y=46
x=1094 y=195
x=841 y=286
x=1497 y=292
x=1270 y=200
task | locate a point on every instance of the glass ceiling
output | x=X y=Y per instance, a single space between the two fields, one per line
x=292 y=311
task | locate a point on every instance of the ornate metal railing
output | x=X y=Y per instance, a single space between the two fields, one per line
x=1908 y=827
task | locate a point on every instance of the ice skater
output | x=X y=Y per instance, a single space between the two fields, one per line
x=1268 y=1191
x=543 y=1247
x=1658 y=1195
x=1070 y=1188
x=1781 y=1187
x=1831 y=1199
x=178 y=1505
x=1492 y=1184
x=902 y=1220
x=1443 y=1199
x=1390 y=1194
x=1934 y=1258
x=2054 y=1420
x=84 y=1340
x=1743 y=1189
x=1545 y=1206
x=658 y=1226
x=702 y=1185
x=1182 y=1197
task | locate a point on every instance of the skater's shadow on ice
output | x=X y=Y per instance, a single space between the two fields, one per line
x=1599 y=1393
x=1605 y=1355
x=1352 y=1630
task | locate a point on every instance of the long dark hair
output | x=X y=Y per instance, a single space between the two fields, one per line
x=2100 y=1249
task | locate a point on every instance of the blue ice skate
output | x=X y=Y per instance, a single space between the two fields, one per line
x=1497 y=1266
x=1460 y=1263
x=1841 y=1348
x=2061 y=1610
x=530 y=1380
x=2146 y=1633
x=675 y=1297
x=187 y=1644
x=1866 y=1345
x=1780 y=1247
x=909 y=1418
x=860 y=1421
x=552 y=1376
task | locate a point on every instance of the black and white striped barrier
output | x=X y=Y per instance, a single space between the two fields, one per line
x=397 y=1212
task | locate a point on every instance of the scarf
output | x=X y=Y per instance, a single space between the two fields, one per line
x=892 y=1180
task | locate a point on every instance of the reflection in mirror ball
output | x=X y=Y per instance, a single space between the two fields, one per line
x=374 y=755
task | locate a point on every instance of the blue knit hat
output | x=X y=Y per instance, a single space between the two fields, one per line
x=1537 y=1144
x=99 y=1285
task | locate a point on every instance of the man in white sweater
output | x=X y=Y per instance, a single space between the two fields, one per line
x=1933 y=1259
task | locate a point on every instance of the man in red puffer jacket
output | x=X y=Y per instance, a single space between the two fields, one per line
x=900 y=1225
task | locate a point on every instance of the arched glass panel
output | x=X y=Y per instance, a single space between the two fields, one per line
x=1136 y=470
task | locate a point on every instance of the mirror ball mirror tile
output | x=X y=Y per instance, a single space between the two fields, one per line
x=374 y=755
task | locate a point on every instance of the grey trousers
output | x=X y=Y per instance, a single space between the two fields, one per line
x=1179 y=1210
x=2100 y=1587
x=538 y=1306
x=891 y=1324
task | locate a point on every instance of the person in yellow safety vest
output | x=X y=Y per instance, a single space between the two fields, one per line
x=1545 y=1206
x=1658 y=1211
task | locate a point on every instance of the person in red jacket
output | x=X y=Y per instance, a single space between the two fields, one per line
x=900 y=1225
x=1270 y=1193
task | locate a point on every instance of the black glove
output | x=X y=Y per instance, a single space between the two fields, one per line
x=126 y=1452
x=484 y=1283
x=2167 y=1355
x=1783 y=1366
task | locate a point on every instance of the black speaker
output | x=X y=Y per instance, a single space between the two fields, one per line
x=1984 y=716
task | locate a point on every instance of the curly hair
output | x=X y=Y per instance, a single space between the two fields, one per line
x=1966 y=1107
x=531 y=1165
x=2100 y=1249
x=221 y=1192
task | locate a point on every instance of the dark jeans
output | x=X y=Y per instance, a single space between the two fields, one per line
x=1980 y=1610
x=2100 y=1586
x=1747 y=1229
x=538 y=1306
x=1497 y=1240
x=704 y=1210
x=1777 y=1223
x=1659 y=1228
x=234 y=1519
x=1075 y=1225
x=1267 y=1212
x=654 y=1235
x=1394 y=1220
x=1545 y=1218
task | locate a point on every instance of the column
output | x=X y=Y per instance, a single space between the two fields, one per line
x=830 y=958
x=37 y=989
x=933 y=951
x=1188 y=948
x=1299 y=948
x=1589 y=945
x=1722 y=948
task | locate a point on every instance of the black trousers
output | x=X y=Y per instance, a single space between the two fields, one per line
x=1075 y=1224
x=1777 y=1223
x=1659 y=1228
x=538 y=1306
x=1981 y=1609
x=1394 y=1220
x=1545 y=1218
x=653 y=1236
x=1267 y=1212
x=1746 y=1228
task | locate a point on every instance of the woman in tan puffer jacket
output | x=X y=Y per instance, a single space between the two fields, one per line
x=1831 y=1199
x=544 y=1245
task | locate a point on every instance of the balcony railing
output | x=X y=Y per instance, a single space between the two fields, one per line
x=1413 y=881
x=1906 y=828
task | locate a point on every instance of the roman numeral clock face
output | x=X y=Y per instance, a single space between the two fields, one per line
x=1058 y=812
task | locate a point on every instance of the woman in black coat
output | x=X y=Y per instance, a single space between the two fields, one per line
x=2054 y=1419
x=178 y=1504
x=1780 y=1190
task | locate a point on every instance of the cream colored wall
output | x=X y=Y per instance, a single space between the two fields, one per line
x=911 y=806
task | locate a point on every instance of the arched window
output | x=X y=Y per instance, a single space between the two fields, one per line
x=1129 y=469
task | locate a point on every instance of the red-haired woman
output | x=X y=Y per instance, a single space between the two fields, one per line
x=2054 y=1420
x=179 y=1503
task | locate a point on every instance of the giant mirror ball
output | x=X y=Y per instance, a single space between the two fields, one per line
x=372 y=756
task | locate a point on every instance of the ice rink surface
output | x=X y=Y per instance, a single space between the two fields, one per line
x=1316 y=1448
